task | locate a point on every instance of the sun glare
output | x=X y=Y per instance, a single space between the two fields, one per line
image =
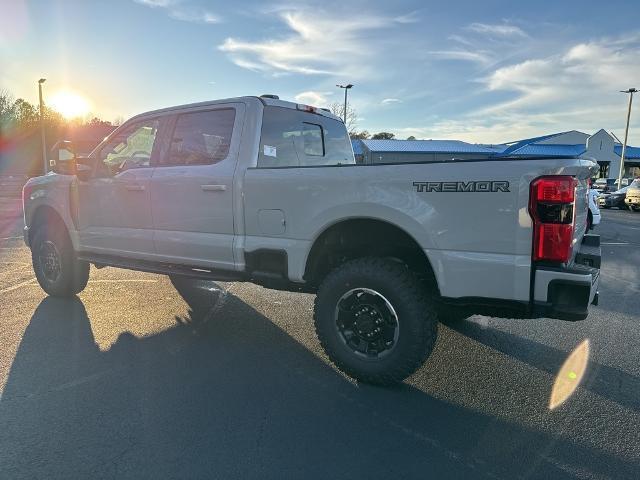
x=69 y=104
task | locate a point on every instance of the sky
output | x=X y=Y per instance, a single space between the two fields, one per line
x=479 y=71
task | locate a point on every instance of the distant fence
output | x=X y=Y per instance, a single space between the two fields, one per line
x=11 y=195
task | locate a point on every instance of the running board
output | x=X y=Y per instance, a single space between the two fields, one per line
x=101 y=260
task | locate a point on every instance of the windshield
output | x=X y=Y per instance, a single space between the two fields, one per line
x=635 y=184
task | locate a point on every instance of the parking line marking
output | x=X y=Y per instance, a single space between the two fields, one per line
x=615 y=243
x=11 y=238
x=17 y=286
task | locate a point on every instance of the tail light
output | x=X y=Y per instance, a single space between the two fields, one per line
x=551 y=206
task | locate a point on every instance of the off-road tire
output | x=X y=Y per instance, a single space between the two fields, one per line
x=416 y=312
x=74 y=273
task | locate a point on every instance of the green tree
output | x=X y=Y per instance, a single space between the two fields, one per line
x=7 y=112
x=383 y=136
x=26 y=114
x=411 y=138
x=95 y=121
x=363 y=135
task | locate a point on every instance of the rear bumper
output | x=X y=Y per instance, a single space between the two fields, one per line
x=565 y=293
x=632 y=201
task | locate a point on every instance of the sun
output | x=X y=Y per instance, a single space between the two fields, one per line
x=69 y=104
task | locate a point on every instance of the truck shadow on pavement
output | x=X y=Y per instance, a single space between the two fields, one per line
x=227 y=394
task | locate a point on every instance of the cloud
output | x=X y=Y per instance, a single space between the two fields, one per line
x=316 y=43
x=408 y=18
x=179 y=10
x=157 y=3
x=584 y=74
x=389 y=101
x=462 y=40
x=575 y=88
x=194 y=15
x=313 y=98
x=503 y=30
x=481 y=57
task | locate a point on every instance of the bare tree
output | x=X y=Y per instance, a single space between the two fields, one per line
x=337 y=108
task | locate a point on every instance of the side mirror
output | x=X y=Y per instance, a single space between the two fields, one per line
x=63 y=158
x=66 y=162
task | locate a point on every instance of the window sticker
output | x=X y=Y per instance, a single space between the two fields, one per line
x=270 y=151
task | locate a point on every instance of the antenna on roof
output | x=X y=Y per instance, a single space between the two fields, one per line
x=270 y=95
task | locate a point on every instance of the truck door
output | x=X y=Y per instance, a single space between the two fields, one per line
x=192 y=187
x=113 y=207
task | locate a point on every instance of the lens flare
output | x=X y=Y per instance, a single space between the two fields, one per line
x=570 y=375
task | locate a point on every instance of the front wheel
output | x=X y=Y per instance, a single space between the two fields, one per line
x=375 y=321
x=57 y=269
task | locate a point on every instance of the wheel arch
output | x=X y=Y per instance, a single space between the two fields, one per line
x=361 y=236
x=44 y=214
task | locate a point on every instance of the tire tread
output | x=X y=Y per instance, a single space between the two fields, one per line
x=415 y=299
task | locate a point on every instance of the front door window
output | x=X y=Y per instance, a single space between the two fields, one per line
x=129 y=149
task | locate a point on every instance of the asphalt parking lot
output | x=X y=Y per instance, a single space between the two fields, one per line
x=138 y=379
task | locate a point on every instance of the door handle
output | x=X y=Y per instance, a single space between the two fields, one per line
x=213 y=188
x=135 y=188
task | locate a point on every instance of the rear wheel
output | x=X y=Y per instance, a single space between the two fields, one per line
x=375 y=320
x=55 y=264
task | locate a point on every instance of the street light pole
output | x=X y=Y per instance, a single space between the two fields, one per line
x=630 y=91
x=44 y=140
x=346 y=88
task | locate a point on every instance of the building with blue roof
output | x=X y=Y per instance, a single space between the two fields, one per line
x=411 y=151
x=601 y=147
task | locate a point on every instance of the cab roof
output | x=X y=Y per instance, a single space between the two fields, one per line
x=266 y=101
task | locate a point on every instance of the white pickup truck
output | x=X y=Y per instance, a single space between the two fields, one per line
x=262 y=190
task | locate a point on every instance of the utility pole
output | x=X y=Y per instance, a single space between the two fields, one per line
x=346 y=89
x=44 y=140
x=630 y=91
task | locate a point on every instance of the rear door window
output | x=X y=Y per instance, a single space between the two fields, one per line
x=292 y=138
x=200 y=138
